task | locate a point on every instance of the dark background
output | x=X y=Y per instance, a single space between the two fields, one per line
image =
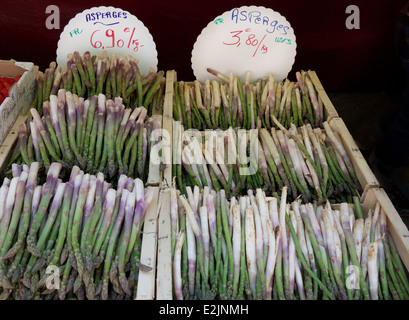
x=363 y=59
x=360 y=69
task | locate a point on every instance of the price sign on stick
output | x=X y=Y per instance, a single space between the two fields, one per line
x=110 y=29
x=254 y=39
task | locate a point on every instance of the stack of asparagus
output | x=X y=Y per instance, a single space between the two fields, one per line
x=91 y=75
x=231 y=103
x=312 y=163
x=258 y=247
x=83 y=230
x=97 y=134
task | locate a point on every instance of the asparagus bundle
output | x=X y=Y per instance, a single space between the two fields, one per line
x=312 y=163
x=88 y=75
x=70 y=240
x=249 y=105
x=259 y=247
x=97 y=134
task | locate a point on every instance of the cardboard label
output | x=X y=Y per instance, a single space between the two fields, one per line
x=111 y=29
x=254 y=39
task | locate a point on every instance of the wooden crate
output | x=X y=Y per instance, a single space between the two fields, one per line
x=146 y=279
x=9 y=143
x=167 y=126
x=365 y=176
x=164 y=261
x=155 y=174
x=397 y=227
x=364 y=173
x=164 y=279
x=399 y=232
x=20 y=95
x=329 y=110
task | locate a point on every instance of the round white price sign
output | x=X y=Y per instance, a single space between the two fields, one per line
x=253 y=38
x=110 y=29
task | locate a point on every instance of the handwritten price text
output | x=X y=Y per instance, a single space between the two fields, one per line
x=251 y=40
x=110 y=40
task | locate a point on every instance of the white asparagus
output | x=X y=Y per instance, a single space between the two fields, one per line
x=292 y=258
x=274 y=238
x=319 y=212
x=292 y=149
x=375 y=220
x=307 y=141
x=204 y=194
x=324 y=233
x=366 y=239
x=382 y=221
x=177 y=272
x=251 y=249
x=236 y=238
x=211 y=215
x=338 y=226
x=300 y=230
x=328 y=232
x=89 y=202
x=243 y=205
x=196 y=197
x=273 y=211
x=357 y=233
x=282 y=213
x=336 y=237
x=205 y=237
x=3 y=196
x=318 y=232
x=351 y=217
x=191 y=256
x=311 y=256
x=373 y=269
x=37 y=194
x=259 y=231
x=299 y=281
x=192 y=203
x=174 y=214
x=191 y=217
x=263 y=210
x=9 y=206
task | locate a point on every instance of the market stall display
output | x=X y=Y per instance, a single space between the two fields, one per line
x=249 y=105
x=312 y=163
x=83 y=227
x=260 y=247
x=97 y=134
x=87 y=75
x=119 y=184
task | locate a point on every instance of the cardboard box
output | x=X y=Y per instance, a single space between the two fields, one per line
x=21 y=94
